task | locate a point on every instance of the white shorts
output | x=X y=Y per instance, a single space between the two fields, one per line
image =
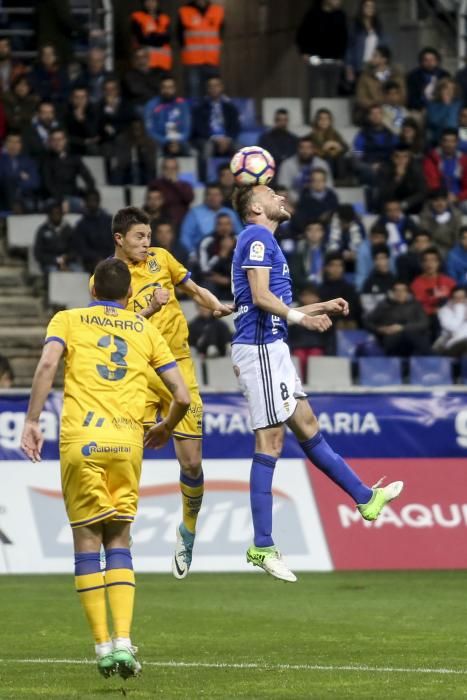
x=268 y=379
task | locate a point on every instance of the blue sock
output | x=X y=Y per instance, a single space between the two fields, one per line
x=323 y=456
x=118 y=558
x=262 y=472
x=87 y=563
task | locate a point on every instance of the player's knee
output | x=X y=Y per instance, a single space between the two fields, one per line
x=191 y=467
x=270 y=442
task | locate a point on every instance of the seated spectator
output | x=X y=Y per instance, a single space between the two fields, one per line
x=409 y=264
x=421 y=82
x=10 y=70
x=216 y=122
x=432 y=288
x=317 y=202
x=443 y=110
x=461 y=80
x=284 y=234
x=48 y=78
x=150 y=29
x=36 y=137
x=441 y=220
x=402 y=179
x=114 y=117
x=411 y=137
x=372 y=146
x=445 y=167
x=208 y=335
x=279 y=141
x=81 y=123
x=304 y=343
x=366 y=33
x=218 y=261
x=154 y=206
x=335 y=285
x=346 y=233
x=394 y=112
x=294 y=172
x=453 y=323
x=168 y=119
x=200 y=220
x=400 y=227
x=364 y=263
x=61 y=172
x=7 y=376
x=456 y=261
x=94 y=75
x=209 y=246
x=19 y=178
x=400 y=324
x=140 y=82
x=135 y=163
x=462 y=130
x=381 y=279
x=163 y=236
x=20 y=104
x=226 y=182
x=374 y=77
x=54 y=242
x=178 y=194
x=328 y=142
x=307 y=263
x=93 y=240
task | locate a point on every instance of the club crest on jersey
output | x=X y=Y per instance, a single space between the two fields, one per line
x=110 y=311
x=153 y=265
x=257 y=251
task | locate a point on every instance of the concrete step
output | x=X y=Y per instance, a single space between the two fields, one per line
x=22 y=290
x=11 y=276
x=20 y=306
x=13 y=336
x=17 y=351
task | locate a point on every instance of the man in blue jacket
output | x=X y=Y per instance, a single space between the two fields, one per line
x=201 y=220
x=168 y=119
x=456 y=261
x=19 y=177
x=372 y=146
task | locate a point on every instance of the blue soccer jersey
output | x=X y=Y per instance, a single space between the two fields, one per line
x=257 y=247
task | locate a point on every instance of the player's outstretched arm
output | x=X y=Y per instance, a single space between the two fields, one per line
x=205 y=298
x=32 y=438
x=333 y=306
x=160 y=433
x=258 y=278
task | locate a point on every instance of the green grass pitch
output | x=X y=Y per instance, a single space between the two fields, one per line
x=338 y=635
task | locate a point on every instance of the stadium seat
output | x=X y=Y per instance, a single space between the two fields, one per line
x=430 y=371
x=300 y=129
x=96 y=165
x=292 y=104
x=463 y=374
x=379 y=371
x=348 y=133
x=21 y=228
x=199 y=195
x=69 y=289
x=250 y=129
x=112 y=197
x=338 y=106
x=189 y=309
x=368 y=220
x=220 y=375
x=351 y=343
x=329 y=373
x=350 y=195
x=213 y=165
x=34 y=269
x=137 y=195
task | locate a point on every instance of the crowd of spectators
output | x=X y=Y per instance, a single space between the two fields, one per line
x=400 y=257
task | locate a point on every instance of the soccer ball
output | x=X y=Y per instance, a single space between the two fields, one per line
x=252 y=165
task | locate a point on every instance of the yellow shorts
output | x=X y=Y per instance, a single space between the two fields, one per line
x=159 y=399
x=100 y=481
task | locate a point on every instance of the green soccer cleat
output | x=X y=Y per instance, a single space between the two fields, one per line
x=126 y=662
x=183 y=554
x=380 y=498
x=270 y=560
x=106 y=665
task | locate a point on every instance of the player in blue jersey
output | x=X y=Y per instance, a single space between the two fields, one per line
x=267 y=377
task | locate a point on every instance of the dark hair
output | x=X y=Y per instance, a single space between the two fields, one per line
x=380 y=249
x=432 y=251
x=346 y=212
x=379 y=228
x=213 y=186
x=309 y=287
x=450 y=131
x=397 y=282
x=375 y=21
x=5 y=367
x=112 y=280
x=321 y=111
x=333 y=255
x=440 y=193
x=429 y=49
x=391 y=85
x=125 y=218
x=419 y=234
x=417 y=145
x=306 y=139
x=22 y=77
x=165 y=77
x=392 y=200
x=385 y=51
x=462 y=230
x=457 y=288
x=164 y=222
x=281 y=110
x=319 y=170
x=93 y=193
x=241 y=200
x=14 y=132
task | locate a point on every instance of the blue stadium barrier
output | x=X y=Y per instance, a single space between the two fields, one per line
x=355 y=343
x=430 y=371
x=380 y=371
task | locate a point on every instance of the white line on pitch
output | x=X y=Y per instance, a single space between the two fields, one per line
x=259 y=667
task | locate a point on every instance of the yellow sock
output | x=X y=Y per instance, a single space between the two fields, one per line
x=192 y=491
x=91 y=590
x=120 y=585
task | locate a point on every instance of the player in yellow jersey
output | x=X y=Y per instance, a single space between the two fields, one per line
x=107 y=354
x=155 y=274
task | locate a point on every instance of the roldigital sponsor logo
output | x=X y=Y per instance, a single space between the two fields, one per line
x=93 y=448
x=224 y=526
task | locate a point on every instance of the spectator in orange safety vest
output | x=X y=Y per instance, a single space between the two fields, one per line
x=200 y=29
x=151 y=29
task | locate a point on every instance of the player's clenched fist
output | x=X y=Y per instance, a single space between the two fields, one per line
x=319 y=323
x=159 y=299
x=337 y=306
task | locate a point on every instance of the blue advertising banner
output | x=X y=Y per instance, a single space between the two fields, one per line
x=357 y=425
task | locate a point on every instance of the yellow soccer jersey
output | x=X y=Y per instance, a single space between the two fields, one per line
x=108 y=350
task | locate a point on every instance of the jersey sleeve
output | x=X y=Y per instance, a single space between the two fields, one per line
x=178 y=272
x=58 y=329
x=258 y=249
x=161 y=357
